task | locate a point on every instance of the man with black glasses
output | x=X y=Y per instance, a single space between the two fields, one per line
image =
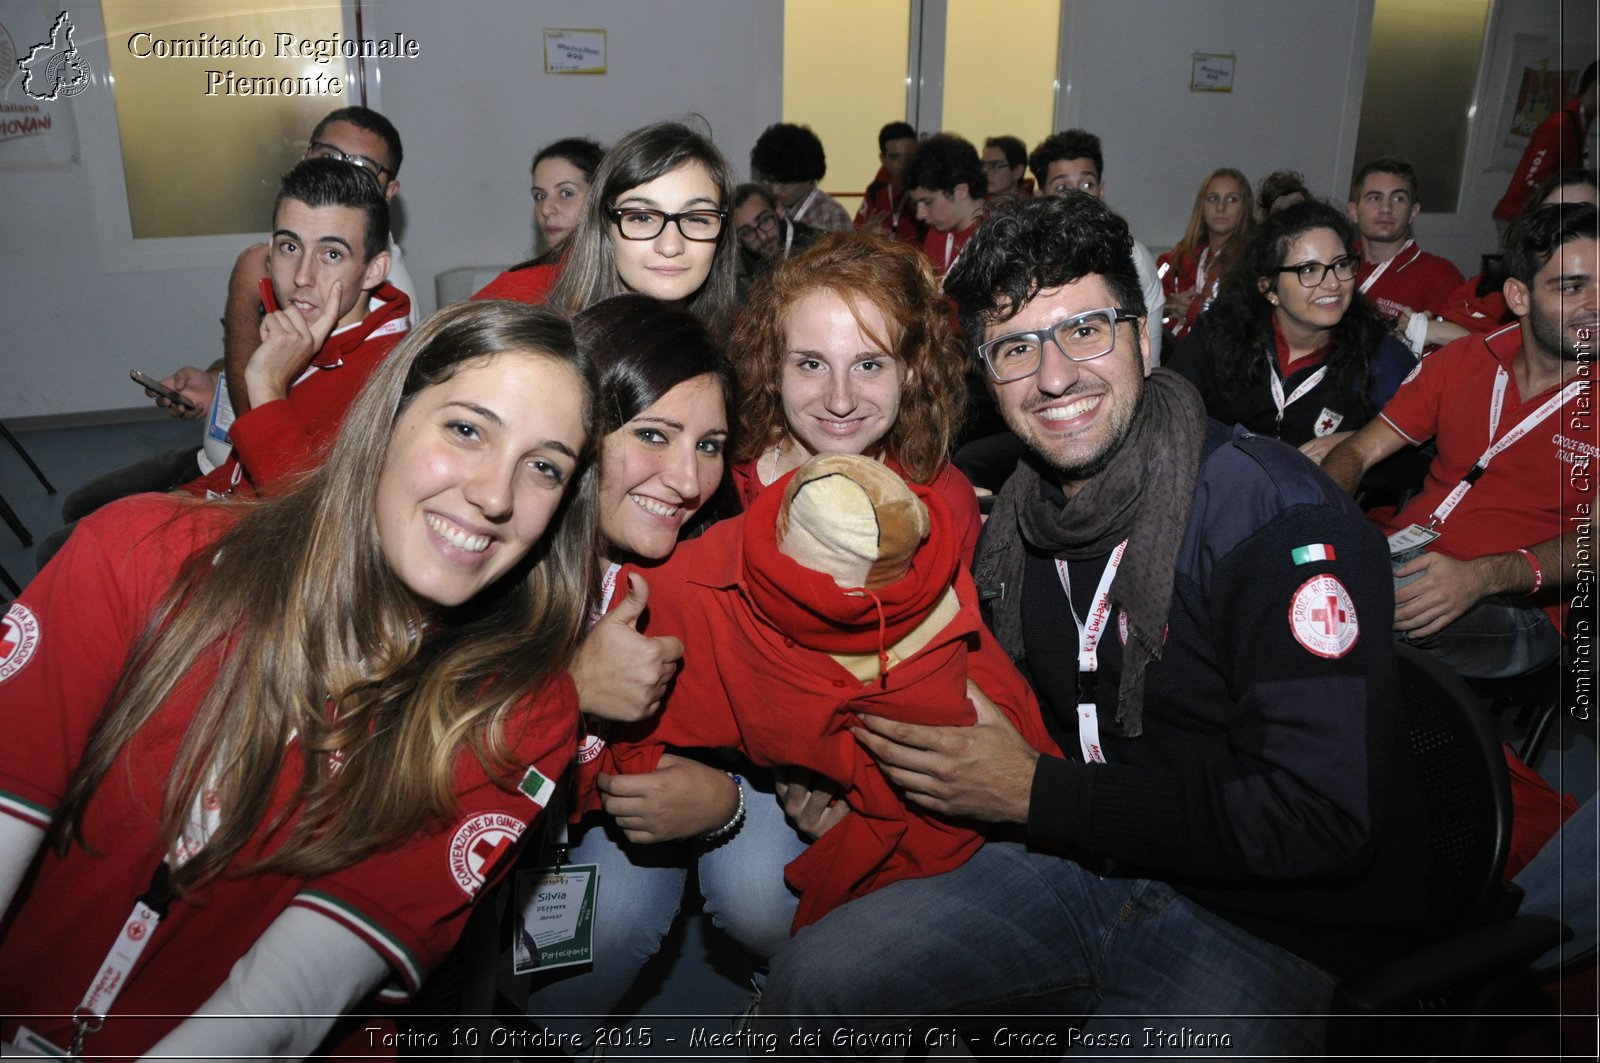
x=1203 y=616
x=766 y=234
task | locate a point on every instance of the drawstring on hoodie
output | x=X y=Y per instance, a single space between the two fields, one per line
x=883 y=635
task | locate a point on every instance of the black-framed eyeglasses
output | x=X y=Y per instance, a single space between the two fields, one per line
x=319 y=150
x=1312 y=274
x=765 y=220
x=636 y=223
x=1081 y=338
x=996 y=165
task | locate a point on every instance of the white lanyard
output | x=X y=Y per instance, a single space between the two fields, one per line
x=1089 y=652
x=801 y=209
x=1200 y=269
x=1522 y=428
x=135 y=933
x=788 y=236
x=1306 y=385
x=1372 y=278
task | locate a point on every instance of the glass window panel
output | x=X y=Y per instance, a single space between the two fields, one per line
x=992 y=89
x=1422 y=67
x=199 y=165
x=844 y=75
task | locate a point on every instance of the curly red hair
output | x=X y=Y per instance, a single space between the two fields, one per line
x=897 y=279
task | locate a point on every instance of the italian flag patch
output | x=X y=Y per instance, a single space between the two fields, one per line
x=537 y=787
x=1304 y=555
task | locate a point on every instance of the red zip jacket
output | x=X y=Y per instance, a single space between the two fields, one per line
x=759 y=675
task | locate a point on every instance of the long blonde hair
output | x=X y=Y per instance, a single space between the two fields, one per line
x=1196 y=237
x=312 y=636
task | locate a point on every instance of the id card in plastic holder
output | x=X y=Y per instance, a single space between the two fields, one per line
x=1411 y=537
x=555 y=917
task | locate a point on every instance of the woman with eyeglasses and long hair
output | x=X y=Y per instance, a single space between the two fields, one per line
x=1290 y=348
x=261 y=758
x=656 y=223
x=561 y=175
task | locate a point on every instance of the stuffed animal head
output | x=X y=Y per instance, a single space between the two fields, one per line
x=851 y=518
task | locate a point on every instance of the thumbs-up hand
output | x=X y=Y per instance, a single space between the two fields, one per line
x=621 y=674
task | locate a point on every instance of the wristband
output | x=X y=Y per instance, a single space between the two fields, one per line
x=1538 y=573
x=733 y=820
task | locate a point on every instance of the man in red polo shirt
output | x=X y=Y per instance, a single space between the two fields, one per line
x=1395 y=274
x=885 y=205
x=947 y=186
x=1482 y=555
x=1555 y=146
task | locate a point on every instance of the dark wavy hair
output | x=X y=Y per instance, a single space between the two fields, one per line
x=896 y=278
x=788 y=152
x=1015 y=151
x=373 y=122
x=1067 y=144
x=895 y=131
x=944 y=161
x=1537 y=235
x=1239 y=323
x=581 y=152
x=1029 y=245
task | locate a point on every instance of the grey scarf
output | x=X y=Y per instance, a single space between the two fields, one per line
x=1144 y=495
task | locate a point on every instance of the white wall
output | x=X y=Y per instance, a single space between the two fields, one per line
x=1295 y=104
x=476 y=105
x=472 y=110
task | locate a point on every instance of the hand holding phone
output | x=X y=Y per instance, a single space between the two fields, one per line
x=151 y=384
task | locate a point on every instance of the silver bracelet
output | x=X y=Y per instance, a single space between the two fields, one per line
x=733 y=820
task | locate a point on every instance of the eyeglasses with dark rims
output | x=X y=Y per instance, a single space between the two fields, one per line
x=637 y=223
x=1312 y=274
x=319 y=150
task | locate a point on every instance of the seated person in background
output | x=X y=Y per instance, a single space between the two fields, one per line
x=1279 y=189
x=1219 y=227
x=946 y=182
x=1071 y=161
x=561 y=175
x=363 y=138
x=790 y=160
x=1478 y=304
x=1396 y=275
x=1290 y=349
x=1558 y=144
x=1482 y=555
x=340 y=318
x=306 y=819
x=1234 y=826
x=765 y=235
x=884 y=206
x=1005 y=164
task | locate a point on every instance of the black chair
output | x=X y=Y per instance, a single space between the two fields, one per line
x=1431 y=1001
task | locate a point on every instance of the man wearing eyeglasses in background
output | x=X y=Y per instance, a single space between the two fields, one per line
x=1005 y=164
x=1233 y=828
x=1071 y=161
x=766 y=234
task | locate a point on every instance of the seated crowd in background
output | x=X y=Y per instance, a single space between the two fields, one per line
x=630 y=413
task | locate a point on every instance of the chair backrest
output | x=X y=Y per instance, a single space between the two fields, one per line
x=1467 y=796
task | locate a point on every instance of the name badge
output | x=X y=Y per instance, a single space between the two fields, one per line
x=1411 y=537
x=555 y=920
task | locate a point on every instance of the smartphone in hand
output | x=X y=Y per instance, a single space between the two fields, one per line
x=269 y=298
x=152 y=384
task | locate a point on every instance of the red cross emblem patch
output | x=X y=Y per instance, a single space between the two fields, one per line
x=478 y=846
x=19 y=639
x=1322 y=617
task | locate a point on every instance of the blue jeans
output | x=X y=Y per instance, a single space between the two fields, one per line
x=1018 y=932
x=1497 y=638
x=1560 y=882
x=641 y=888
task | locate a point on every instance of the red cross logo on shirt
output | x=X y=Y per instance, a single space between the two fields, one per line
x=487 y=852
x=1331 y=618
x=1325 y=425
x=9 y=639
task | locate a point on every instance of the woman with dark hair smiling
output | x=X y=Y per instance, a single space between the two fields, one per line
x=1290 y=348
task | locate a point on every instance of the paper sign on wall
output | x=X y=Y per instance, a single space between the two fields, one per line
x=1212 y=72
x=574 y=51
